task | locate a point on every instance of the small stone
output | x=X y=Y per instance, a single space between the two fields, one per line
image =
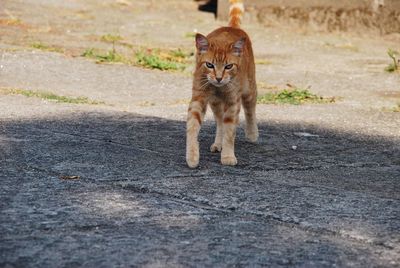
x=305 y=134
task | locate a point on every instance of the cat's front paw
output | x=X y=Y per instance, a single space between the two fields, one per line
x=216 y=147
x=192 y=161
x=229 y=160
x=192 y=156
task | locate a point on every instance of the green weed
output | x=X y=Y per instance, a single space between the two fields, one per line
x=397 y=108
x=179 y=54
x=110 y=56
x=49 y=96
x=148 y=58
x=392 y=67
x=44 y=47
x=292 y=95
x=156 y=59
x=111 y=38
x=89 y=53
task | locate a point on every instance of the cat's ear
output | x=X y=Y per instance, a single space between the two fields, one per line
x=201 y=43
x=237 y=49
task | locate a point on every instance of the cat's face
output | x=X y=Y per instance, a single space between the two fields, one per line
x=219 y=73
x=218 y=64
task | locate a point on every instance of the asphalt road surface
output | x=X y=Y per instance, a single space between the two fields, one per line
x=107 y=185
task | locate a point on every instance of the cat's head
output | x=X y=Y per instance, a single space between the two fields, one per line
x=219 y=63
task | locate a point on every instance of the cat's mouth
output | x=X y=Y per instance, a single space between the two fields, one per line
x=219 y=84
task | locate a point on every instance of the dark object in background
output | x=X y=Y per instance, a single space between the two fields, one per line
x=209 y=6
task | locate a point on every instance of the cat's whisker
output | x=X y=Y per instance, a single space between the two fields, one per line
x=204 y=82
x=204 y=85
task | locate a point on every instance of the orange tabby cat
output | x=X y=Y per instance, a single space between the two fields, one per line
x=225 y=79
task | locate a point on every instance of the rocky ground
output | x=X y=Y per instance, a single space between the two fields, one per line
x=106 y=184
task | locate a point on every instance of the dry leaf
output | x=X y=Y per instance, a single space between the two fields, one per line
x=70 y=177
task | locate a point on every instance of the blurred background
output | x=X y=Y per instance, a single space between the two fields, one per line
x=341 y=55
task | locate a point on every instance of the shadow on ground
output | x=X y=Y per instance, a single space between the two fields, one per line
x=335 y=200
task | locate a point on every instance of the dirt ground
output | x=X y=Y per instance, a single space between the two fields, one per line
x=320 y=189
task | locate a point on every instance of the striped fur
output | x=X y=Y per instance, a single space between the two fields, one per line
x=236 y=11
x=224 y=79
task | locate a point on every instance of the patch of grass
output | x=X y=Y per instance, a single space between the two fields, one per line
x=292 y=95
x=110 y=56
x=148 y=58
x=394 y=66
x=44 y=95
x=44 y=47
x=178 y=53
x=390 y=68
x=396 y=109
x=11 y=22
x=110 y=38
x=161 y=60
x=155 y=62
x=89 y=53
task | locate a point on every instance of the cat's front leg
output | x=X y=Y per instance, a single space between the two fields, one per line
x=231 y=119
x=218 y=111
x=197 y=109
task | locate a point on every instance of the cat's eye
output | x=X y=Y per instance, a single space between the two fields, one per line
x=209 y=65
x=228 y=66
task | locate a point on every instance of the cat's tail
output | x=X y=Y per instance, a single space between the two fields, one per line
x=236 y=10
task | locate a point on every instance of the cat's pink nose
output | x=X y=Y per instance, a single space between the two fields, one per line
x=219 y=79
